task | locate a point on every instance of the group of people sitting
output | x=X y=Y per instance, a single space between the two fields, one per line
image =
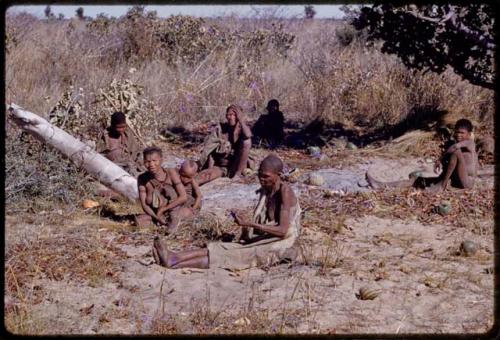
x=170 y=195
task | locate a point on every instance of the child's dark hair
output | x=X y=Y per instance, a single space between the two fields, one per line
x=118 y=118
x=464 y=124
x=151 y=149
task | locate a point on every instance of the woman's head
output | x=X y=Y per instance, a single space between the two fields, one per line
x=231 y=112
x=152 y=159
x=270 y=170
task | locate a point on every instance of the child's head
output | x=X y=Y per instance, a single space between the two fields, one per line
x=463 y=130
x=118 y=122
x=188 y=170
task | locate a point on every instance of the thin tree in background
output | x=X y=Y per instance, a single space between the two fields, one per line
x=309 y=11
x=48 y=13
x=79 y=13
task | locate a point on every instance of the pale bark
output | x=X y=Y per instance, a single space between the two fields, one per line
x=102 y=169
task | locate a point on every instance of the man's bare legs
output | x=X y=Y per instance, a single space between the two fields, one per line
x=143 y=220
x=184 y=259
x=406 y=183
x=241 y=160
x=208 y=175
x=456 y=168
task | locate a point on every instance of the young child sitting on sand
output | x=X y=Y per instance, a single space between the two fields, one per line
x=459 y=163
x=162 y=194
x=187 y=173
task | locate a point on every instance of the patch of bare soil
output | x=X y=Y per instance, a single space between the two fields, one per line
x=88 y=274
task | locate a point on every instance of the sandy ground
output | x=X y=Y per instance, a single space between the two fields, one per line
x=423 y=284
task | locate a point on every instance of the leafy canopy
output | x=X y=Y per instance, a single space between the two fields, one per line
x=433 y=37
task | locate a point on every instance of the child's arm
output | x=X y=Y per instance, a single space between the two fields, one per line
x=142 y=197
x=468 y=144
x=196 y=194
x=180 y=190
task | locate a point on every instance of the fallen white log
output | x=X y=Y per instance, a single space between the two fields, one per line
x=105 y=171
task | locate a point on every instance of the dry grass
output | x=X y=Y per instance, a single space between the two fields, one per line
x=309 y=65
x=83 y=259
x=404 y=204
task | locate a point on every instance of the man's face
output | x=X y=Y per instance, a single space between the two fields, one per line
x=461 y=134
x=267 y=178
x=231 y=118
x=152 y=162
x=120 y=128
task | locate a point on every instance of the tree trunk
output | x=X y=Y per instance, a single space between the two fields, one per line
x=104 y=170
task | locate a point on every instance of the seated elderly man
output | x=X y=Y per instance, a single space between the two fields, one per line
x=276 y=223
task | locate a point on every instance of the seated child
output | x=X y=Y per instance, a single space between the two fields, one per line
x=459 y=162
x=161 y=193
x=187 y=173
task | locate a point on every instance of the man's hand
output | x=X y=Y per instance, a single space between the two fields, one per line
x=239 y=116
x=240 y=220
x=161 y=218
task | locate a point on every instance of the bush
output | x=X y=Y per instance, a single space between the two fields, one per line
x=37 y=175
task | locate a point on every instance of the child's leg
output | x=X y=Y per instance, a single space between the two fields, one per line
x=458 y=168
x=177 y=216
x=241 y=159
x=460 y=177
x=196 y=262
x=406 y=183
x=208 y=175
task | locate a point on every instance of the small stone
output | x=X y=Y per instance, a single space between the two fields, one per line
x=367 y=293
x=468 y=248
x=314 y=151
x=444 y=208
x=416 y=174
x=87 y=204
x=351 y=146
x=323 y=158
x=248 y=172
x=244 y=321
x=315 y=179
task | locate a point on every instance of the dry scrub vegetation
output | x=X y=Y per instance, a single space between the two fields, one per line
x=182 y=71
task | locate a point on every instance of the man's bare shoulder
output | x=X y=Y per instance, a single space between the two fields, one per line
x=287 y=193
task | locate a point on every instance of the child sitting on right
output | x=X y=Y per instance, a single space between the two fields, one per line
x=187 y=173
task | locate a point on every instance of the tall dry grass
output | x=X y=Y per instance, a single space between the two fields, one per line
x=191 y=69
x=193 y=74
